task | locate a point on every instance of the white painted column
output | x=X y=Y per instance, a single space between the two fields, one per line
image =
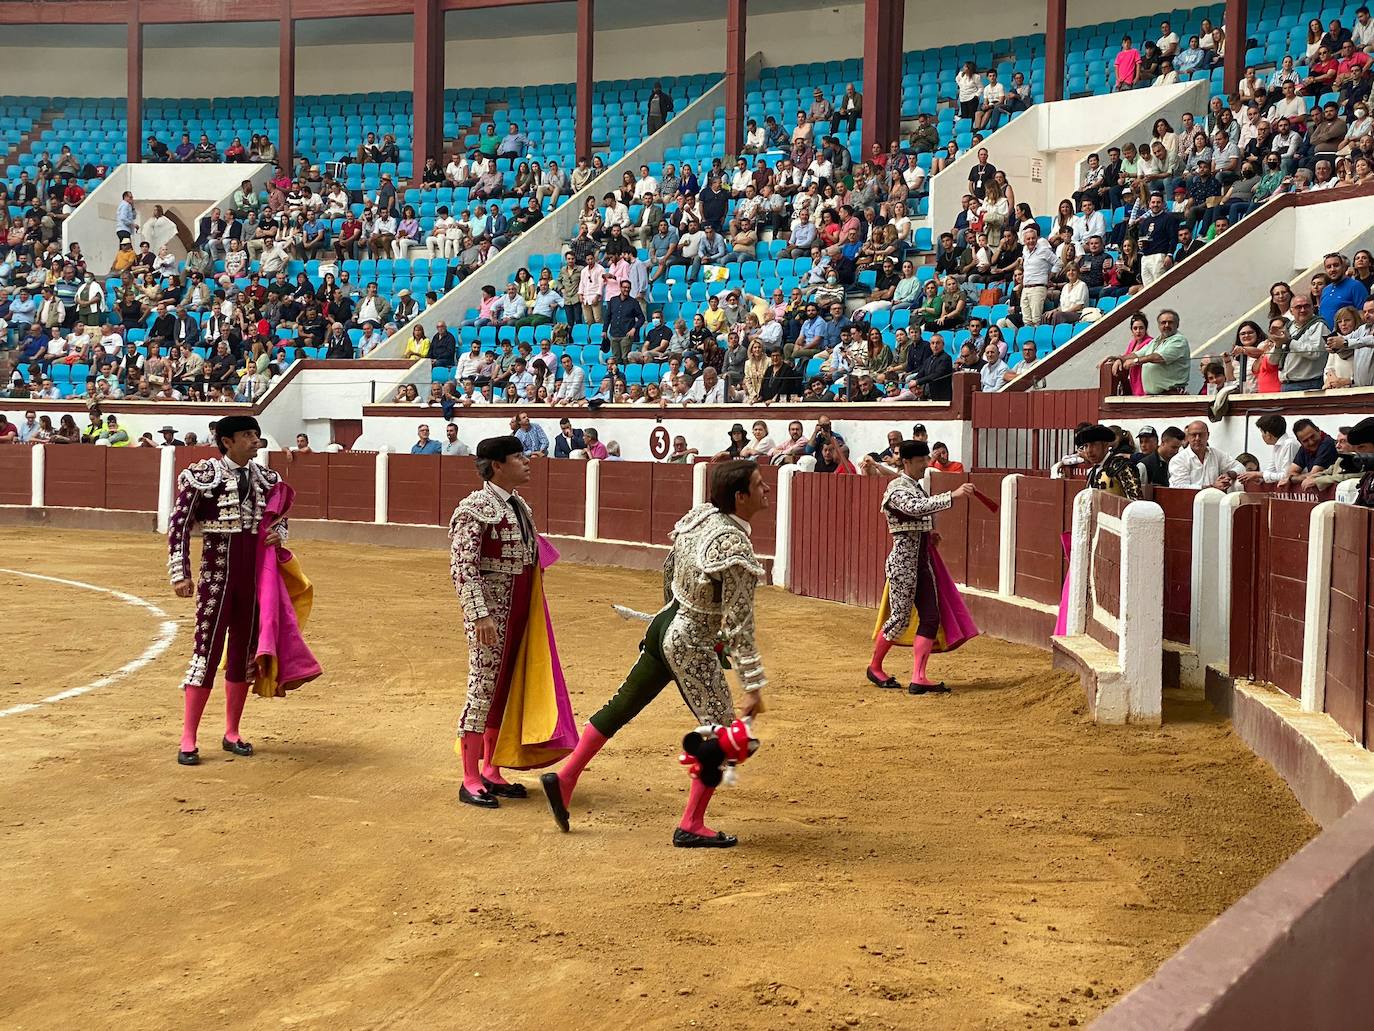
x=782 y=548
x=1006 y=549
x=382 y=485
x=1140 y=638
x=166 y=486
x=38 y=492
x=1080 y=557
x=699 y=471
x=1211 y=576
x=1317 y=611
x=592 y=517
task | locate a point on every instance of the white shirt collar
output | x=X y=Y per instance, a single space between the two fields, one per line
x=234 y=465
x=741 y=523
x=501 y=492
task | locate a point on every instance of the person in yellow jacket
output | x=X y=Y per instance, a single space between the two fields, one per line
x=113 y=435
x=418 y=344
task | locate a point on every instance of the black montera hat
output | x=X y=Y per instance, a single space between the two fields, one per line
x=498 y=449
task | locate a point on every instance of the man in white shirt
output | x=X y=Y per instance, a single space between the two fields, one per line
x=469 y=364
x=572 y=390
x=1168 y=40
x=993 y=95
x=616 y=214
x=1038 y=263
x=1361 y=342
x=370 y=340
x=1088 y=222
x=707 y=390
x=111 y=342
x=437 y=242
x=1362 y=32
x=1283 y=446
x=1199 y=465
x=755 y=141
x=819 y=171
x=509 y=307
x=645 y=184
x=741 y=180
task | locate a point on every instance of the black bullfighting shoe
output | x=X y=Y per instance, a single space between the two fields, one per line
x=689 y=839
x=482 y=800
x=889 y=684
x=553 y=791
x=237 y=747
x=505 y=790
x=191 y=758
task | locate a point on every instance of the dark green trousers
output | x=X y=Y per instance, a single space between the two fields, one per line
x=645 y=681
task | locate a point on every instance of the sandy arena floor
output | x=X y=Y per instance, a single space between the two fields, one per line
x=985 y=860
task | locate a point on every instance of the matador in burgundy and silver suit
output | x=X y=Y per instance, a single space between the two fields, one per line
x=226 y=497
x=517 y=712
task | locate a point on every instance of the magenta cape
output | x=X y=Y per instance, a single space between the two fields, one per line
x=285 y=596
x=1061 y=623
x=537 y=724
x=956 y=624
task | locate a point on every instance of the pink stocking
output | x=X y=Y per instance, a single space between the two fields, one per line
x=920 y=655
x=694 y=816
x=196 y=697
x=489 y=771
x=880 y=649
x=235 y=694
x=587 y=746
x=471 y=745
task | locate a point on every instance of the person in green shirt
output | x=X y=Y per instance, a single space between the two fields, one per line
x=487 y=144
x=113 y=434
x=1164 y=360
x=1271 y=180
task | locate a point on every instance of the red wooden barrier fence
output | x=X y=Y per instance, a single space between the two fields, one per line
x=1177 y=503
x=1044 y=511
x=970 y=535
x=16 y=475
x=1269 y=591
x=839 y=538
x=1347 y=656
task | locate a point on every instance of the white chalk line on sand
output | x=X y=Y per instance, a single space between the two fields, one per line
x=166 y=633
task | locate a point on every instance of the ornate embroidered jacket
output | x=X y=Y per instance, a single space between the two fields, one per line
x=909 y=509
x=712 y=572
x=487 y=542
x=208 y=494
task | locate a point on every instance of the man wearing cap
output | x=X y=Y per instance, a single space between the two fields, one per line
x=227 y=496
x=912 y=569
x=707 y=618
x=1110 y=469
x=493 y=557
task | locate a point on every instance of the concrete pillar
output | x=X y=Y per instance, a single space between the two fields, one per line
x=735 y=57
x=699 y=471
x=586 y=49
x=286 y=89
x=782 y=548
x=166 y=486
x=592 y=516
x=1317 y=611
x=1080 y=557
x=428 y=87
x=134 y=53
x=1006 y=548
x=381 y=486
x=1140 y=636
x=1233 y=63
x=37 y=476
x=1056 y=21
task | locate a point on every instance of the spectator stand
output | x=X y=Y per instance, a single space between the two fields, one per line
x=1044 y=150
x=558 y=225
x=1292 y=231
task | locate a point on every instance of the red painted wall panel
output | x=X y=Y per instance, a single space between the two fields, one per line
x=625 y=502
x=351 y=486
x=131 y=478
x=1287 y=591
x=567 y=492
x=308 y=475
x=1040 y=505
x=1177 y=504
x=766 y=524
x=16 y=473
x=74 y=476
x=670 y=496
x=413 y=488
x=1348 y=620
x=457 y=479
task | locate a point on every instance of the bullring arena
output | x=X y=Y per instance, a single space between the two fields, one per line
x=1084 y=309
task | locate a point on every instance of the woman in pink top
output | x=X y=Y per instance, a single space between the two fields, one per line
x=1127 y=65
x=1140 y=336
